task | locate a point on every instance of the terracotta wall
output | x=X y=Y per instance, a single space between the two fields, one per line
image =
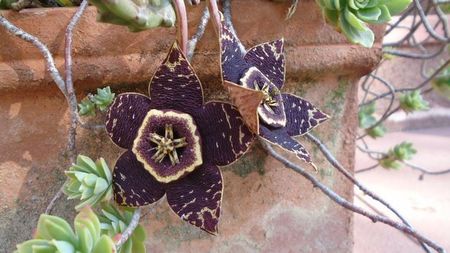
x=266 y=207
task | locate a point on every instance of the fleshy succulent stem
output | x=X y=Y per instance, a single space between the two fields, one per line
x=214 y=11
x=182 y=27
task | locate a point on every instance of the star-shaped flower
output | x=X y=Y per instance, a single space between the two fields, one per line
x=254 y=80
x=174 y=144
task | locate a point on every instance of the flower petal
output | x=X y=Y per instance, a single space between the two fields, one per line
x=301 y=115
x=247 y=101
x=133 y=186
x=271 y=114
x=125 y=117
x=282 y=139
x=232 y=60
x=269 y=59
x=197 y=197
x=224 y=134
x=175 y=84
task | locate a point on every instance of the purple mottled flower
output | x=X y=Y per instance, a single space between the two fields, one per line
x=175 y=143
x=254 y=80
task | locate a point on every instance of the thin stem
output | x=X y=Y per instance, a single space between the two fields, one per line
x=182 y=31
x=215 y=13
x=192 y=43
x=346 y=204
x=72 y=99
x=55 y=198
x=425 y=171
x=51 y=67
x=130 y=229
x=427 y=25
x=367 y=169
x=333 y=161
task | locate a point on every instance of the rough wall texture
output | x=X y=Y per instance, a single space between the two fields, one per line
x=266 y=207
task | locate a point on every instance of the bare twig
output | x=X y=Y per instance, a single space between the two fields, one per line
x=347 y=204
x=51 y=67
x=424 y=171
x=192 y=43
x=52 y=202
x=333 y=161
x=71 y=96
x=130 y=229
x=72 y=99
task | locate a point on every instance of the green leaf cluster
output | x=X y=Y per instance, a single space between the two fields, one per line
x=367 y=120
x=441 y=84
x=353 y=16
x=114 y=222
x=376 y=132
x=55 y=235
x=137 y=15
x=6 y=4
x=88 y=181
x=102 y=100
x=413 y=101
x=401 y=152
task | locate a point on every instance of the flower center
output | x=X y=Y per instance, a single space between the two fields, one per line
x=167 y=145
x=271 y=110
x=269 y=95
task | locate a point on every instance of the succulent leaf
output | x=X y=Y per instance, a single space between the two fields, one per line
x=115 y=222
x=352 y=16
x=413 y=101
x=36 y=245
x=400 y=153
x=103 y=98
x=51 y=227
x=86 y=107
x=365 y=115
x=441 y=84
x=104 y=245
x=403 y=151
x=136 y=15
x=6 y=4
x=376 y=132
x=89 y=181
x=54 y=235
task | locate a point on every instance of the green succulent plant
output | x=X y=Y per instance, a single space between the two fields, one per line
x=67 y=3
x=441 y=84
x=89 y=181
x=86 y=107
x=55 y=235
x=376 y=132
x=365 y=116
x=114 y=222
x=401 y=152
x=6 y=4
x=136 y=15
x=103 y=98
x=413 y=101
x=352 y=16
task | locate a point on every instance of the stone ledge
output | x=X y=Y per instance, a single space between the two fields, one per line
x=100 y=56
